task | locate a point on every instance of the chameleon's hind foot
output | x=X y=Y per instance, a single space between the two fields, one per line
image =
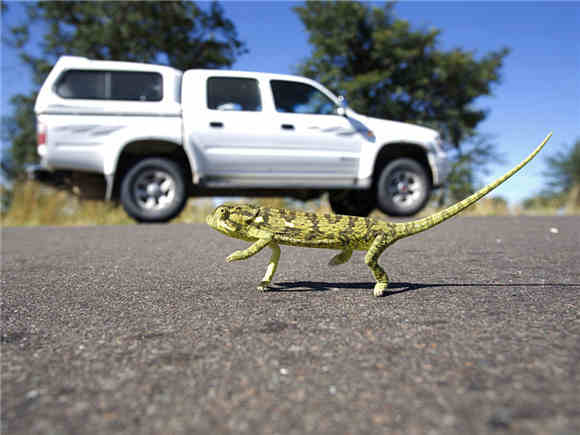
x=340 y=258
x=264 y=286
x=380 y=289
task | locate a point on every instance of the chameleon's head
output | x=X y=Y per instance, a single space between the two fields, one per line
x=231 y=219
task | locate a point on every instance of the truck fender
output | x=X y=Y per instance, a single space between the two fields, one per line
x=113 y=157
x=399 y=149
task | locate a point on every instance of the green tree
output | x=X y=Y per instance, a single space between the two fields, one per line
x=177 y=33
x=387 y=70
x=563 y=174
x=474 y=157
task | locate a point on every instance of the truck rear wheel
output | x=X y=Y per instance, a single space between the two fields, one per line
x=154 y=190
x=403 y=188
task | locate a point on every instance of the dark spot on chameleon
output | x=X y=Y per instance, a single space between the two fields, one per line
x=331 y=220
x=351 y=221
x=371 y=235
x=315 y=220
x=312 y=235
x=292 y=232
x=287 y=214
x=334 y=219
x=265 y=215
x=369 y=224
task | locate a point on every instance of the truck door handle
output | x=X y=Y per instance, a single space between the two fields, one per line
x=287 y=127
x=216 y=124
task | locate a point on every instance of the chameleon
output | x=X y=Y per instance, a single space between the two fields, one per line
x=273 y=227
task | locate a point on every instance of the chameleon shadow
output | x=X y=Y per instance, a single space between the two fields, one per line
x=313 y=286
x=307 y=286
x=394 y=287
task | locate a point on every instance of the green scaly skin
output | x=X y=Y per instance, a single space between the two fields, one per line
x=273 y=227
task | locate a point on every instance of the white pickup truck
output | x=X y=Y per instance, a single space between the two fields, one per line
x=151 y=135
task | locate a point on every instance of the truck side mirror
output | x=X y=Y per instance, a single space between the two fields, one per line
x=341 y=110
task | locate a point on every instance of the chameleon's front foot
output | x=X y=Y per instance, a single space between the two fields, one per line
x=236 y=256
x=271 y=270
x=380 y=289
x=263 y=286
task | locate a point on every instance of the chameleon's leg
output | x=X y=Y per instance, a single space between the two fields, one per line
x=253 y=249
x=272 y=265
x=341 y=258
x=371 y=260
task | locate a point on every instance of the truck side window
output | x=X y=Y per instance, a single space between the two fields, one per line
x=136 y=86
x=233 y=93
x=86 y=85
x=111 y=85
x=295 y=97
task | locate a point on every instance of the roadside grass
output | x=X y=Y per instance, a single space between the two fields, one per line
x=34 y=204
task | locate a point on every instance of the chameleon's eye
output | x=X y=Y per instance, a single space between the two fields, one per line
x=224 y=213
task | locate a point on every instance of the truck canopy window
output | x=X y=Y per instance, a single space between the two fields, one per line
x=111 y=85
x=233 y=93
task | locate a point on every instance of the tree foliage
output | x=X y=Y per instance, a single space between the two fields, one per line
x=563 y=175
x=563 y=171
x=563 y=182
x=390 y=71
x=472 y=158
x=176 y=33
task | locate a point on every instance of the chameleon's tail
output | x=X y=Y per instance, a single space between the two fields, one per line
x=409 y=228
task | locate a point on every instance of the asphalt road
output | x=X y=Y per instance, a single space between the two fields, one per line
x=146 y=330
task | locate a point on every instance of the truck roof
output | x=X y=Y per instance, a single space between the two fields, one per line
x=67 y=62
x=84 y=62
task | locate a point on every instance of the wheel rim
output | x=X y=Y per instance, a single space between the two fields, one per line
x=154 y=189
x=406 y=189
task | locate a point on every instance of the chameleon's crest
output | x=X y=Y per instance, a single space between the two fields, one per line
x=273 y=227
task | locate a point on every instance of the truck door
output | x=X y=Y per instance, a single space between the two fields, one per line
x=326 y=146
x=229 y=130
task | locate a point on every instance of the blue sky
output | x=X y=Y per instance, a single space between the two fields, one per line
x=539 y=91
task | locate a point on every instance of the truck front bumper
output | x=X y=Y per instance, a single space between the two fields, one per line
x=440 y=167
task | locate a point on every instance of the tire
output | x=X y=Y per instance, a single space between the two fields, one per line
x=154 y=190
x=403 y=188
x=352 y=202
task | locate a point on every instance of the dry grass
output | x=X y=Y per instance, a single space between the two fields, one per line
x=35 y=204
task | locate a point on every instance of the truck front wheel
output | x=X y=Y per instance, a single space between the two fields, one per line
x=154 y=190
x=403 y=188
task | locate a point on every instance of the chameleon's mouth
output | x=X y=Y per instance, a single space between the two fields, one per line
x=225 y=228
x=218 y=224
x=213 y=221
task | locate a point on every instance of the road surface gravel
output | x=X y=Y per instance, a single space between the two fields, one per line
x=146 y=330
